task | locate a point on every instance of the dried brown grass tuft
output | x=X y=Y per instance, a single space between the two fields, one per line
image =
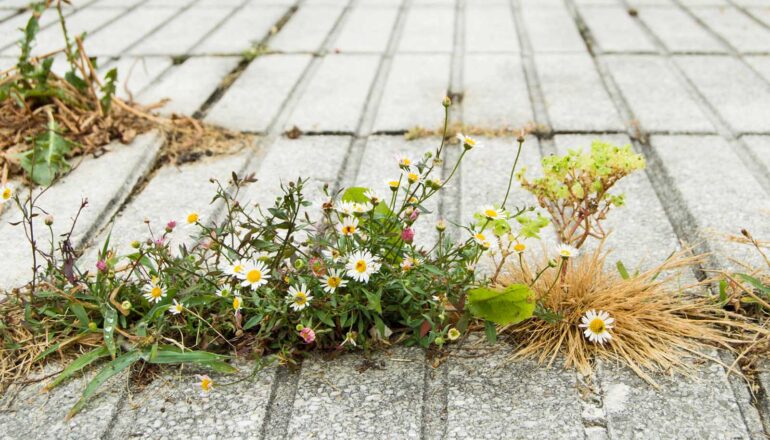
x=658 y=325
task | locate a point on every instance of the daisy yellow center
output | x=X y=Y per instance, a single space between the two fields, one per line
x=393 y=183
x=192 y=217
x=236 y=303
x=412 y=199
x=178 y=307
x=519 y=247
x=490 y=213
x=565 y=253
x=413 y=177
x=238 y=268
x=333 y=282
x=470 y=141
x=348 y=229
x=480 y=237
x=597 y=326
x=254 y=276
x=156 y=292
x=6 y=193
x=300 y=298
x=206 y=384
x=361 y=266
x=406 y=162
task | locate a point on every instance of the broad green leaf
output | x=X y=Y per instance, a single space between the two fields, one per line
x=172 y=356
x=108 y=329
x=77 y=365
x=755 y=283
x=373 y=302
x=113 y=368
x=509 y=305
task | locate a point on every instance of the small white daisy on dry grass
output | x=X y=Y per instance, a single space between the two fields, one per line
x=597 y=326
x=566 y=251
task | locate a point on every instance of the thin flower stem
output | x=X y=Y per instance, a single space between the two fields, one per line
x=513 y=170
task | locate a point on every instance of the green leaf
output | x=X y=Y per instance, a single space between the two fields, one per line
x=510 y=305
x=108 y=329
x=622 y=270
x=490 y=330
x=108 y=89
x=77 y=365
x=76 y=81
x=755 y=283
x=373 y=302
x=723 y=292
x=81 y=314
x=169 y=355
x=113 y=368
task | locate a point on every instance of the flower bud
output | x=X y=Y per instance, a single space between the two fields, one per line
x=439 y=341
x=299 y=327
x=101 y=265
x=441 y=225
x=135 y=244
x=407 y=235
x=48 y=220
x=126 y=305
x=92 y=326
x=447 y=101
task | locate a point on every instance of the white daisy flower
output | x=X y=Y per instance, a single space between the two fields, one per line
x=344 y=208
x=192 y=218
x=349 y=226
x=566 y=251
x=411 y=176
x=299 y=297
x=224 y=292
x=6 y=192
x=176 y=308
x=482 y=240
x=361 y=265
x=332 y=255
x=333 y=281
x=403 y=160
x=360 y=208
x=236 y=269
x=490 y=212
x=373 y=197
x=468 y=142
x=154 y=292
x=237 y=303
x=255 y=275
x=597 y=326
x=393 y=184
x=206 y=384
x=409 y=263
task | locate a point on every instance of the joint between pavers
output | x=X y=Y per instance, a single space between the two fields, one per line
x=435 y=401
x=352 y=160
x=749 y=404
x=278 y=417
x=593 y=414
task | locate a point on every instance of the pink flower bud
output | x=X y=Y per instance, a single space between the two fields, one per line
x=413 y=216
x=171 y=224
x=407 y=235
x=101 y=265
x=308 y=335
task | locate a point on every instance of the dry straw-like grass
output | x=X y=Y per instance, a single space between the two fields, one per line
x=659 y=324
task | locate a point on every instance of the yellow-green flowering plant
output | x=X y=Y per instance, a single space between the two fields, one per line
x=332 y=274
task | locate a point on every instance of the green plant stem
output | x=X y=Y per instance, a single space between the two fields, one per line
x=513 y=170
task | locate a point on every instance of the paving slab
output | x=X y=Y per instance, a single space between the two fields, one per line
x=254 y=99
x=188 y=85
x=307 y=29
x=250 y=25
x=761 y=65
x=551 y=29
x=343 y=399
x=743 y=101
x=706 y=165
x=128 y=30
x=335 y=98
x=678 y=31
x=367 y=29
x=495 y=92
x=413 y=93
x=658 y=100
x=614 y=30
x=154 y=205
x=117 y=173
x=700 y=406
x=641 y=234
x=428 y=29
x=29 y=412
x=761 y=14
x=379 y=164
x=317 y=158
x=182 y=33
x=136 y=73
x=760 y=145
x=84 y=21
x=570 y=82
x=11 y=29
x=490 y=28
x=744 y=34
x=498 y=398
x=172 y=406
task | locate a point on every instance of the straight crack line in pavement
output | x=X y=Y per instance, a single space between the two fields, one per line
x=748 y=14
x=280 y=404
x=536 y=96
x=351 y=163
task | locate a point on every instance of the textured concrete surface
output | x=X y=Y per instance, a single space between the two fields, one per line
x=687 y=82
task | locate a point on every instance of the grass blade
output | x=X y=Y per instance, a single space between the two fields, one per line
x=114 y=367
x=77 y=365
